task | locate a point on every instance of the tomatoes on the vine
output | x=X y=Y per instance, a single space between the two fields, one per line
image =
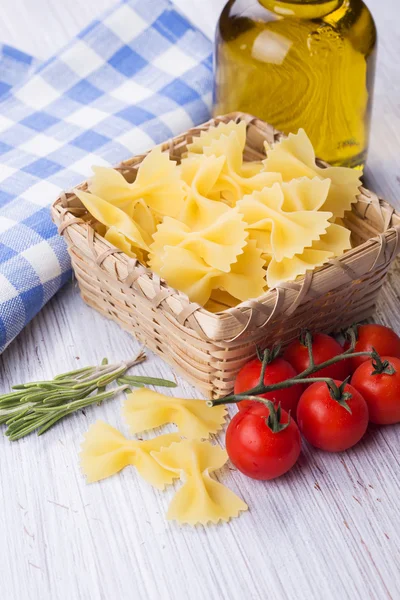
x=373 y=336
x=277 y=370
x=324 y=347
x=379 y=384
x=263 y=443
x=332 y=420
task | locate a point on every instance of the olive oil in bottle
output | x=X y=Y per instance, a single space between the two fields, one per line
x=298 y=63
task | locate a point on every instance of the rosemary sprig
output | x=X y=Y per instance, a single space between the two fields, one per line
x=38 y=405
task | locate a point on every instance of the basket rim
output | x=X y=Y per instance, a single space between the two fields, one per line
x=366 y=201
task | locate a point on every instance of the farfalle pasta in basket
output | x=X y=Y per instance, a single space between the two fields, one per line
x=192 y=223
x=225 y=237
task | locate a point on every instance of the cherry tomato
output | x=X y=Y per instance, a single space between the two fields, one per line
x=327 y=424
x=324 y=347
x=385 y=341
x=277 y=370
x=256 y=450
x=381 y=391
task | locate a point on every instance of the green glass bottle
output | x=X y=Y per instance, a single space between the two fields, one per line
x=300 y=63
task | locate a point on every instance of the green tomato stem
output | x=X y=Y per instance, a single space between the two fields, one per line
x=303 y=377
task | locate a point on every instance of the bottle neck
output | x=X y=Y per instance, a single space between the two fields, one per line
x=303 y=9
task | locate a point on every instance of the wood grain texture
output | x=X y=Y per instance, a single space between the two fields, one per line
x=329 y=530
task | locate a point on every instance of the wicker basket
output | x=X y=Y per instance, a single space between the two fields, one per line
x=209 y=349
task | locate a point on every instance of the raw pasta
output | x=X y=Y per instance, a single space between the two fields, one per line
x=294 y=157
x=246 y=279
x=145 y=409
x=112 y=216
x=282 y=234
x=184 y=270
x=105 y=451
x=235 y=181
x=201 y=499
x=201 y=207
x=305 y=194
x=236 y=178
x=218 y=245
x=334 y=242
x=214 y=133
x=158 y=183
x=120 y=241
x=222 y=230
x=220 y=300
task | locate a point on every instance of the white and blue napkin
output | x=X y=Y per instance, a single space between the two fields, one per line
x=139 y=75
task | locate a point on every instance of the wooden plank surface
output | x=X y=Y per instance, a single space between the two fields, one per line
x=329 y=530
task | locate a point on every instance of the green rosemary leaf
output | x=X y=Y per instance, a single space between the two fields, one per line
x=51 y=421
x=104 y=381
x=136 y=384
x=11 y=396
x=70 y=374
x=132 y=380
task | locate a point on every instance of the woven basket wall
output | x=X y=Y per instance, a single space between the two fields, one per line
x=208 y=349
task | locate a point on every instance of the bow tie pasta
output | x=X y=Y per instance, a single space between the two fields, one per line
x=184 y=270
x=201 y=207
x=218 y=245
x=112 y=216
x=222 y=230
x=333 y=243
x=294 y=157
x=105 y=451
x=201 y=499
x=226 y=143
x=145 y=409
x=282 y=234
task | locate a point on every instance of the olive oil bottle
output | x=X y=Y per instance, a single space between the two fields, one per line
x=300 y=63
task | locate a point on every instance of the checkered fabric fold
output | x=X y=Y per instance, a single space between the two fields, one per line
x=136 y=77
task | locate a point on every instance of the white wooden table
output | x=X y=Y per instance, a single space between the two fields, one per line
x=328 y=530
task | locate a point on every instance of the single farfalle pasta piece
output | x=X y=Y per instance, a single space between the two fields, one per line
x=218 y=245
x=185 y=271
x=112 y=216
x=201 y=206
x=201 y=499
x=236 y=178
x=279 y=233
x=294 y=157
x=105 y=451
x=246 y=278
x=111 y=185
x=158 y=183
x=333 y=243
x=145 y=409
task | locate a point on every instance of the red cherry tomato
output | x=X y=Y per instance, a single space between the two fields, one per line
x=256 y=450
x=324 y=347
x=278 y=370
x=385 y=341
x=326 y=424
x=380 y=391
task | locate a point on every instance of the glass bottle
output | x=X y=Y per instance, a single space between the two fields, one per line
x=300 y=63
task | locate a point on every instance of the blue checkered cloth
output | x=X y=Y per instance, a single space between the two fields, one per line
x=136 y=77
